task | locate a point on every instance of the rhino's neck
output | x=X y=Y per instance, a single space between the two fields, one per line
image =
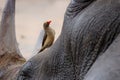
x=76 y=6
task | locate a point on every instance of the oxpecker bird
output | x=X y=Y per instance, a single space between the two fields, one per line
x=49 y=36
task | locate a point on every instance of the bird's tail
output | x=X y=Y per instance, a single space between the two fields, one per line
x=41 y=49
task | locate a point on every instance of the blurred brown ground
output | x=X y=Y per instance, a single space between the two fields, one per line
x=30 y=15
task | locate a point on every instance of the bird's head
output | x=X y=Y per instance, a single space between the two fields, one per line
x=46 y=24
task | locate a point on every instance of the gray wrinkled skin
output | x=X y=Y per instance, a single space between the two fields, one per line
x=107 y=66
x=89 y=28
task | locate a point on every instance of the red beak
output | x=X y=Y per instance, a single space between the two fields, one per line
x=49 y=22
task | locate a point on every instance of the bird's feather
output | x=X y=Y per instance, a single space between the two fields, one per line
x=39 y=42
x=45 y=36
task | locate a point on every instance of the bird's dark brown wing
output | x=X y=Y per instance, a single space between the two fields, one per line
x=45 y=36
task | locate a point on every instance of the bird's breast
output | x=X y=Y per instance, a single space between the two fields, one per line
x=50 y=36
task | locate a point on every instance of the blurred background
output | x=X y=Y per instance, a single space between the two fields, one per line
x=30 y=16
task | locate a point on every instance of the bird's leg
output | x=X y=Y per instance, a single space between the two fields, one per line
x=44 y=47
